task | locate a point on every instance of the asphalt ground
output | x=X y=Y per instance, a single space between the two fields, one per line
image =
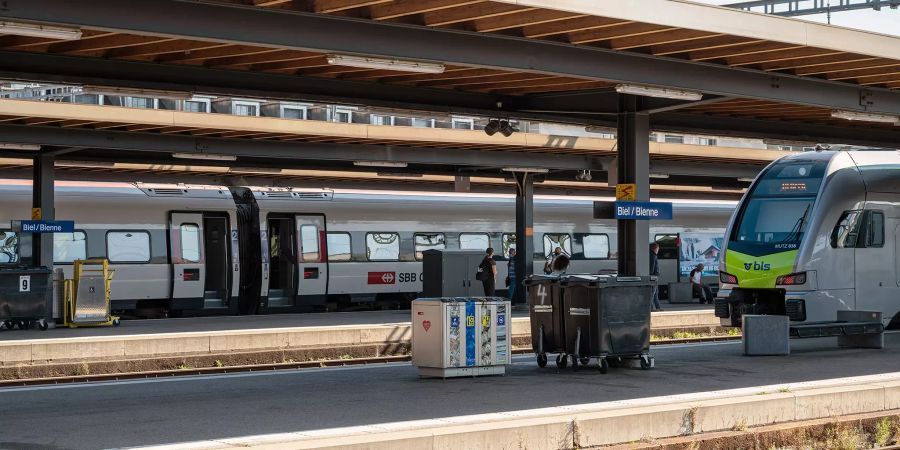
x=160 y=411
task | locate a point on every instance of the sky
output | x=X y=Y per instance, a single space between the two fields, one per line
x=886 y=21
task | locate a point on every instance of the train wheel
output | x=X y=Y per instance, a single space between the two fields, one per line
x=562 y=361
x=604 y=365
x=542 y=360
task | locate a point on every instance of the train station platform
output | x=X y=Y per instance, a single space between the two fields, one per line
x=694 y=388
x=374 y=332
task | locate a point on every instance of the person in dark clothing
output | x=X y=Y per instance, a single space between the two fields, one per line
x=699 y=289
x=560 y=265
x=654 y=272
x=488 y=272
x=511 y=273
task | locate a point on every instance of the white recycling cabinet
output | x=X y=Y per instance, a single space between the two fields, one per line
x=455 y=337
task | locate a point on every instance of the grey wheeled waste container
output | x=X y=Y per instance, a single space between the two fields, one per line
x=26 y=296
x=545 y=313
x=607 y=318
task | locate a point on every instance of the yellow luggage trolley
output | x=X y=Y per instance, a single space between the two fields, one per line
x=87 y=295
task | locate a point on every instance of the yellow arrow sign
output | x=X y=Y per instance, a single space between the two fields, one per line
x=626 y=191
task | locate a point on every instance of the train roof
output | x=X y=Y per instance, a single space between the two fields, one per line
x=144 y=190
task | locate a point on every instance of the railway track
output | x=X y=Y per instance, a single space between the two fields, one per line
x=76 y=379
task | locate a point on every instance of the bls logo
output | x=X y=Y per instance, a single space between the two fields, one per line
x=757 y=265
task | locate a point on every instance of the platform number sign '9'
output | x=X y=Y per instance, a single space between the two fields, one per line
x=25 y=283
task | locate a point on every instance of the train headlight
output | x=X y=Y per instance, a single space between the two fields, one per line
x=726 y=277
x=792 y=279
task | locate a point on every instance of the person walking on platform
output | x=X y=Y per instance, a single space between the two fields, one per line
x=511 y=283
x=487 y=272
x=699 y=289
x=654 y=272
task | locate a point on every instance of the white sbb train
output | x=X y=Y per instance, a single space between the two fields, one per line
x=217 y=250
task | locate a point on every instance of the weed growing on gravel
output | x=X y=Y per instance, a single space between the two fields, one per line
x=883 y=432
x=219 y=363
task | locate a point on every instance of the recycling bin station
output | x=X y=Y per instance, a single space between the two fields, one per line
x=461 y=336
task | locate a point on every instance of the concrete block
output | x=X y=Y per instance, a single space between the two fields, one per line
x=839 y=401
x=246 y=342
x=15 y=354
x=161 y=347
x=78 y=350
x=749 y=411
x=520 y=326
x=633 y=424
x=766 y=335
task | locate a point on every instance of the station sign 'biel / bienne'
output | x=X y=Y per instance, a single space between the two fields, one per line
x=47 y=226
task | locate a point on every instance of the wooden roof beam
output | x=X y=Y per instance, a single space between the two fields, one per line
x=468 y=13
x=781 y=56
x=606 y=34
x=157 y=48
x=571 y=26
x=673 y=37
x=271 y=56
x=713 y=42
x=193 y=56
x=522 y=19
x=497 y=79
x=403 y=8
x=857 y=74
x=292 y=64
x=741 y=50
x=333 y=6
x=104 y=42
x=854 y=64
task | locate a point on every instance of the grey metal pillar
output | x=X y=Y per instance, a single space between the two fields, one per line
x=524 y=232
x=42 y=197
x=633 y=166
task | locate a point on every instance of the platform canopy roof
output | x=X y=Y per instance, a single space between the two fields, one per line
x=759 y=75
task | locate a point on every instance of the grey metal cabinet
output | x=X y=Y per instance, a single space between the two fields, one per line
x=451 y=273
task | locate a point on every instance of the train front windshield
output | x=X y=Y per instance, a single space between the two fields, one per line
x=777 y=212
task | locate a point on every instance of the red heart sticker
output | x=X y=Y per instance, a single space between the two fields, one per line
x=426 y=324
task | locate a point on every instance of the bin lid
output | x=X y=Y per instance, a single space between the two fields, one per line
x=542 y=278
x=585 y=278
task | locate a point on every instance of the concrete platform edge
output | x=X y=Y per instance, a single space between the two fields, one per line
x=580 y=426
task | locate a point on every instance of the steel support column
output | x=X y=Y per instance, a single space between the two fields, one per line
x=43 y=197
x=633 y=167
x=524 y=232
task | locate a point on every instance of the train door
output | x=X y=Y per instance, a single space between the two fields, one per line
x=198 y=245
x=312 y=283
x=282 y=273
x=186 y=250
x=897 y=254
x=875 y=278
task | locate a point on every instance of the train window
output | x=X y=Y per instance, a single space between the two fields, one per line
x=875 y=229
x=846 y=231
x=339 y=247
x=509 y=241
x=596 y=246
x=190 y=242
x=474 y=241
x=553 y=240
x=128 y=246
x=429 y=241
x=383 y=246
x=309 y=243
x=68 y=247
x=9 y=247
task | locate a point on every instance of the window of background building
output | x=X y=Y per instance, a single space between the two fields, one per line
x=462 y=123
x=423 y=123
x=197 y=106
x=293 y=112
x=707 y=141
x=342 y=115
x=245 y=108
x=139 y=102
x=378 y=119
x=673 y=139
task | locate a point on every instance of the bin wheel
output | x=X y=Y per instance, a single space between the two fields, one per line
x=117 y=322
x=562 y=361
x=42 y=325
x=584 y=360
x=541 y=358
x=604 y=365
x=24 y=324
x=575 y=359
x=645 y=362
x=8 y=324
